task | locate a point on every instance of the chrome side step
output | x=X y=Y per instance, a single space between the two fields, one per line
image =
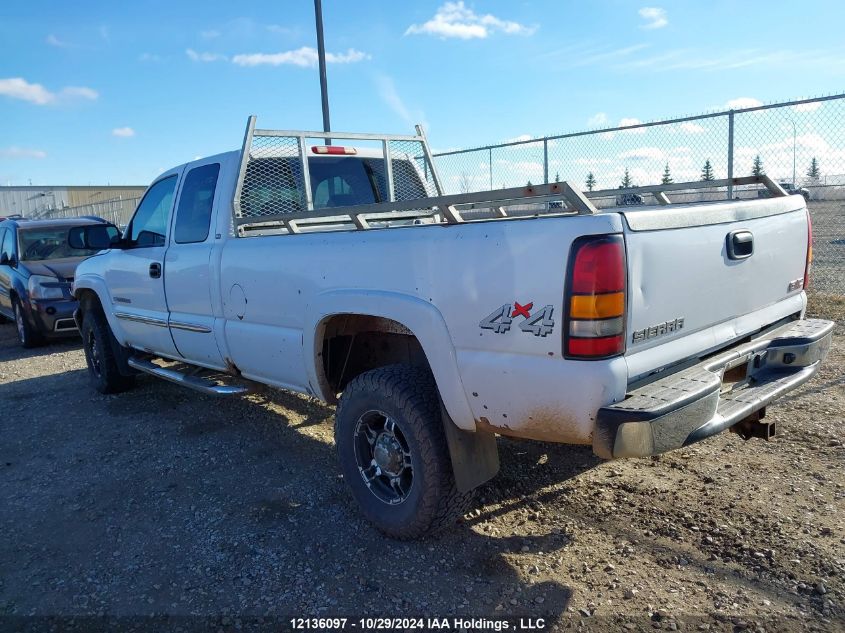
x=205 y=381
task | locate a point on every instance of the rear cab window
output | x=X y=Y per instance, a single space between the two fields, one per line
x=275 y=185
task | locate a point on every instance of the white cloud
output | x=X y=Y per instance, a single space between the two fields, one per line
x=305 y=57
x=149 y=57
x=52 y=40
x=455 y=19
x=743 y=102
x=204 y=57
x=599 y=119
x=79 y=91
x=21 y=152
x=519 y=139
x=691 y=128
x=19 y=88
x=629 y=122
x=123 y=132
x=643 y=153
x=807 y=107
x=388 y=93
x=210 y=34
x=655 y=17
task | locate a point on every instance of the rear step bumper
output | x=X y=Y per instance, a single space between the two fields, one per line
x=698 y=402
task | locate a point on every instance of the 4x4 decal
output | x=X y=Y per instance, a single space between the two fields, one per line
x=500 y=320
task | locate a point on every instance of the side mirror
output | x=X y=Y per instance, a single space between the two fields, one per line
x=95 y=237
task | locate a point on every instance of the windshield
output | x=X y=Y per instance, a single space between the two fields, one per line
x=48 y=243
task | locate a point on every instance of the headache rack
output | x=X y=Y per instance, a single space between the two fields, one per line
x=273 y=194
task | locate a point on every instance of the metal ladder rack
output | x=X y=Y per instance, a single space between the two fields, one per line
x=281 y=158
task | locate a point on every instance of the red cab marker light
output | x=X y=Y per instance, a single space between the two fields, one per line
x=333 y=149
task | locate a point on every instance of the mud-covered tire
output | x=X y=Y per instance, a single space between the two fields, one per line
x=408 y=396
x=28 y=337
x=103 y=369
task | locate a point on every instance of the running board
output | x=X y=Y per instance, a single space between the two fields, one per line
x=209 y=384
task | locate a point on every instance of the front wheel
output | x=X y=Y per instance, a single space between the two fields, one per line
x=103 y=369
x=392 y=450
x=27 y=335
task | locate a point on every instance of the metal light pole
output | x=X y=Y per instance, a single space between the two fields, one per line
x=321 y=58
x=792 y=121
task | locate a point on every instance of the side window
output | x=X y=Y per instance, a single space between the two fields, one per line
x=149 y=224
x=8 y=247
x=193 y=217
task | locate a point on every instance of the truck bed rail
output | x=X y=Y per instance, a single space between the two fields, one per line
x=280 y=157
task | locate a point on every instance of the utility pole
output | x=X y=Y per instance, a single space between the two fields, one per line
x=321 y=57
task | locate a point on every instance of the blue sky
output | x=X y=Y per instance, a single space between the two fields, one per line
x=113 y=92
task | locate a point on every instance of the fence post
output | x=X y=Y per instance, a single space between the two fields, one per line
x=730 y=153
x=490 y=165
x=545 y=161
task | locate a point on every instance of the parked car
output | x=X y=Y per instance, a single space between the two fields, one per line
x=636 y=331
x=628 y=199
x=36 y=271
x=790 y=188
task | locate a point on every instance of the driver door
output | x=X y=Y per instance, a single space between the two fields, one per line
x=135 y=276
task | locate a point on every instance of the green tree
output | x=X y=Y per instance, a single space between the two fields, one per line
x=626 y=180
x=528 y=184
x=591 y=181
x=814 y=173
x=667 y=176
x=757 y=167
x=707 y=171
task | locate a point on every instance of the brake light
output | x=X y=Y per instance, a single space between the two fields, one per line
x=333 y=149
x=809 y=263
x=595 y=298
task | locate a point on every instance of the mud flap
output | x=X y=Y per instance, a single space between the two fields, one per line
x=475 y=456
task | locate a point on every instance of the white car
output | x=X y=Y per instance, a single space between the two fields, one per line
x=343 y=272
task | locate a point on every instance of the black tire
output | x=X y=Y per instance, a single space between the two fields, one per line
x=27 y=335
x=103 y=369
x=408 y=397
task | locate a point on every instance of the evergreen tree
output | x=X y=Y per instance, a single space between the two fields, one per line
x=814 y=173
x=667 y=176
x=707 y=171
x=627 y=182
x=557 y=176
x=757 y=167
x=591 y=181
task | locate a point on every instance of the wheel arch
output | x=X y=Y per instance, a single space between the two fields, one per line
x=395 y=322
x=90 y=293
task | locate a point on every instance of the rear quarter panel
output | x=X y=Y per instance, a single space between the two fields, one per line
x=510 y=380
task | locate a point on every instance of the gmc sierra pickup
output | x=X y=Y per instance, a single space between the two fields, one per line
x=438 y=321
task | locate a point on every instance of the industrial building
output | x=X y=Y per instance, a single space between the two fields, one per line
x=113 y=202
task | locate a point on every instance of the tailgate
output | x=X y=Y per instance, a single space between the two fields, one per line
x=693 y=287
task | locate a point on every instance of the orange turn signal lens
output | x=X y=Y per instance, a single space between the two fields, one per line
x=601 y=306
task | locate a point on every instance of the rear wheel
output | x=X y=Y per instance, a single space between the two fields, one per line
x=27 y=335
x=392 y=450
x=103 y=369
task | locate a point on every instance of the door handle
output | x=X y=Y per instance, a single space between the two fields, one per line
x=155 y=270
x=740 y=244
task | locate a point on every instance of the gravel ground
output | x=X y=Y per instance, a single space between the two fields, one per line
x=164 y=502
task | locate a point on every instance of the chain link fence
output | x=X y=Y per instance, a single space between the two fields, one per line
x=800 y=144
x=117 y=211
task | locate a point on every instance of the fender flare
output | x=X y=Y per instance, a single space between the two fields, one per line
x=420 y=317
x=98 y=286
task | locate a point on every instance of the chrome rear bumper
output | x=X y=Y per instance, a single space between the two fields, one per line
x=698 y=402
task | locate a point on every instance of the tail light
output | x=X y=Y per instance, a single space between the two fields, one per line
x=595 y=298
x=809 y=263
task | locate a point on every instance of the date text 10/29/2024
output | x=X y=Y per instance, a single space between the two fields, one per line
x=420 y=624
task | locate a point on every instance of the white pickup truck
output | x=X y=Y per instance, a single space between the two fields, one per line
x=438 y=321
